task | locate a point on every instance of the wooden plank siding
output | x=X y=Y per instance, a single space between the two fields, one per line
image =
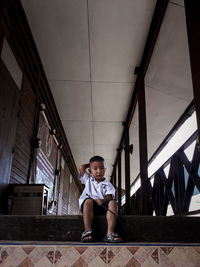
x=74 y=195
x=55 y=210
x=14 y=27
x=19 y=126
x=25 y=128
x=65 y=176
x=9 y=101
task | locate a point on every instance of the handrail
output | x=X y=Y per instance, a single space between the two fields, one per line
x=184 y=146
x=190 y=140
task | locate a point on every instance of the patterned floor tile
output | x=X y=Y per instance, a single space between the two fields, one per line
x=81 y=249
x=99 y=256
x=66 y=256
x=12 y=256
x=95 y=254
x=133 y=263
x=150 y=250
x=58 y=255
x=185 y=256
x=28 y=250
x=110 y=255
x=133 y=249
x=145 y=255
x=90 y=254
x=150 y=262
x=40 y=255
x=119 y=256
x=167 y=250
x=26 y=256
x=80 y=263
x=103 y=255
x=3 y=255
x=26 y=263
x=197 y=249
x=141 y=255
x=155 y=255
x=80 y=256
x=44 y=262
x=164 y=260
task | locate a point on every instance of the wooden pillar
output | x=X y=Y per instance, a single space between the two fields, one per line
x=1 y=36
x=158 y=193
x=119 y=182
x=32 y=169
x=111 y=179
x=114 y=176
x=143 y=144
x=192 y=11
x=127 y=171
x=179 y=185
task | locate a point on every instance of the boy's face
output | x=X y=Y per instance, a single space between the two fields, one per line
x=97 y=170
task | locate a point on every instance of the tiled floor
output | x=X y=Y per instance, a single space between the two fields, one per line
x=126 y=255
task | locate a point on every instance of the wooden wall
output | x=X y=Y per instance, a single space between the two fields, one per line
x=24 y=134
x=64 y=188
x=19 y=109
x=73 y=198
x=9 y=100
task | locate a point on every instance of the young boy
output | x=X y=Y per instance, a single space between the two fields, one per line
x=98 y=192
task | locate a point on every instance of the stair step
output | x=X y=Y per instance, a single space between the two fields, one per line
x=130 y=228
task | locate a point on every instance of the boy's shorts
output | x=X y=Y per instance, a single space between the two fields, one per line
x=98 y=210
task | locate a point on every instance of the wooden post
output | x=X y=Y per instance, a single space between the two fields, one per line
x=127 y=171
x=158 y=193
x=192 y=11
x=1 y=36
x=32 y=169
x=119 y=182
x=143 y=144
x=114 y=177
x=111 y=179
x=179 y=185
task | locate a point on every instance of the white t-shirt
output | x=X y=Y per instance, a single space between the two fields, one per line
x=94 y=189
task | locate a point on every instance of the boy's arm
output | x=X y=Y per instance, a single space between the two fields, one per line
x=83 y=168
x=101 y=201
x=106 y=198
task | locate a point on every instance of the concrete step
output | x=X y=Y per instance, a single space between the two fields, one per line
x=130 y=228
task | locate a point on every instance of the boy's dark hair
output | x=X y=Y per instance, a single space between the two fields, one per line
x=96 y=158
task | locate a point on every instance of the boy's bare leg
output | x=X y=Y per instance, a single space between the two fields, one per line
x=88 y=215
x=111 y=218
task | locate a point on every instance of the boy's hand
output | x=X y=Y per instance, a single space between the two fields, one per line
x=83 y=168
x=99 y=201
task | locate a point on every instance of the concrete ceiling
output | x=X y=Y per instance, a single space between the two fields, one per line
x=89 y=49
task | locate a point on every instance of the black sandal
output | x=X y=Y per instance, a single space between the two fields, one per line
x=111 y=238
x=87 y=234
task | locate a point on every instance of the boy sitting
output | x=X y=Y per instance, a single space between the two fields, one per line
x=98 y=192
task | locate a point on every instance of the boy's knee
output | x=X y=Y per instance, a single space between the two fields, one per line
x=87 y=205
x=112 y=203
x=88 y=202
